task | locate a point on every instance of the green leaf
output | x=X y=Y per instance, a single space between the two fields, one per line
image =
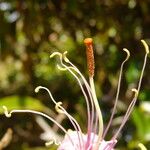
x=132 y=73
x=141 y=121
x=20 y=102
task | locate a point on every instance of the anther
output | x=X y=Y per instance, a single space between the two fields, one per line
x=65 y=58
x=7 y=114
x=53 y=141
x=146 y=46
x=128 y=53
x=61 y=68
x=37 y=89
x=135 y=91
x=55 y=53
x=57 y=107
x=142 y=146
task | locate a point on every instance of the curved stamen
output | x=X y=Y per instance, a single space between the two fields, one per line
x=88 y=88
x=90 y=121
x=142 y=146
x=129 y=110
x=60 y=109
x=8 y=114
x=53 y=141
x=144 y=64
x=118 y=91
x=75 y=124
x=132 y=104
x=82 y=89
x=63 y=56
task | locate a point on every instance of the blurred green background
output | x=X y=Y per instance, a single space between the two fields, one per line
x=30 y=30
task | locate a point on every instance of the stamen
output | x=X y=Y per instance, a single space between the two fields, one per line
x=53 y=141
x=61 y=68
x=69 y=69
x=89 y=90
x=136 y=92
x=65 y=58
x=8 y=114
x=142 y=146
x=55 y=53
x=145 y=60
x=90 y=119
x=146 y=46
x=132 y=104
x=127 y=52
x=118 y=91
x=60 y=109
x=95 y=128
x=90 y=56
x=37 y=89
x=125 y=118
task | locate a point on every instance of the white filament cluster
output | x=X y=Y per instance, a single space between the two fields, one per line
x=95 y=132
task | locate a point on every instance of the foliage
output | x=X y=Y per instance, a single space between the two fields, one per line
x=31 y=30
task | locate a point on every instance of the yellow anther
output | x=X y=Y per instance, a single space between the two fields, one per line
x=142 y=146
x=146 y=46
x=49 y=143
x=57 y=107
x=65 y=57
x=37 y=89
x=53 y=141
x=61 y=68
x=7 y=114
x=55 y=53
x=135 y=91
x=128 y=53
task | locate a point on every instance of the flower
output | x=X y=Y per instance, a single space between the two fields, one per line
x=94 y=138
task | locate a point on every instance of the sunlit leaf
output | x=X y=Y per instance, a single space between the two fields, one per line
x=21 y=102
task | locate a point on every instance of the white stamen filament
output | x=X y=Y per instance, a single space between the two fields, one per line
x=88 y=88
x=93 y=139
x=132 y=104
x=118 y=91
x=79 y=82
x=60 y=109
x=125 y=118
x=8 y=114
x=90 y=121
x=93 y=98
